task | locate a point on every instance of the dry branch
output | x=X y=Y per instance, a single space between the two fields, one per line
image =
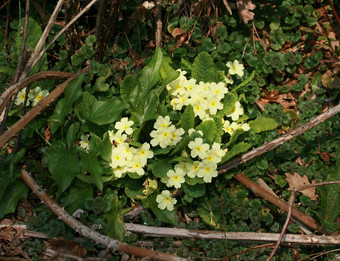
x=248 y=237
x=19 y=125
x=113 y=244
x=279 y=141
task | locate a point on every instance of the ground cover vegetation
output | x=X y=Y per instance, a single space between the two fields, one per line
x=151 y=117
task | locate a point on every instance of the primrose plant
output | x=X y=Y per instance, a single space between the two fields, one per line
x=161 y=138
x=182 y=139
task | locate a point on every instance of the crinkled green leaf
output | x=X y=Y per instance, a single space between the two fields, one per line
x=236 y=149
x=263 y=124
x=209 y=217
x=101 y=85
x=228 y=104
x=203 y=68
x=188 y=118
x=209 y=130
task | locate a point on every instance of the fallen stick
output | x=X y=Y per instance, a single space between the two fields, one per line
x=248 y=237
x=245 y=237
x=85 y=231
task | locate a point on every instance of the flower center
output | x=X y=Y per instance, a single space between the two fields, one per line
x=166 y=199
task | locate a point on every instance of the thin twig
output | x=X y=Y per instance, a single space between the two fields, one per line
x=85 y=231
x=32 y=60
x=284 y=229
x=86 y=8
x=291 y=202
x=247 y=250
x=334 y=11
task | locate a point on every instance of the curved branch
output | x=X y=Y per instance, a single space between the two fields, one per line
x=19 y=125
x=89 y=233
x=9 y=92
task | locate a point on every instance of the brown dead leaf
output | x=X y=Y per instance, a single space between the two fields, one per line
x=66 y=246
x=296 y=181
x=177 y=32
x=244 y=7
x=326 y=78
x=287 y=100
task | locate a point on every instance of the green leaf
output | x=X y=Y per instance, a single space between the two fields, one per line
x=228 y=101
x=114 y=218
x=245 y=82
x=188 y=118
x=166 y=68
x=160 y=168
x=236 y=149
x=209 y=217
x=204 y=68
x=105 y=148
x=263 y=124
x=234 y=137
x=34 y=33
x=89 y=163
x=129 y=91
x=170 y=77
x=150 y=74
x=105 y=112
x=166 y=216
x=76 y=198
x=14 y=192
x=73 y=89
x=9 y=71
x=71 y=134
x=63 y=165
x=209 y=130
x=134 y=188
x=100 y=84
x=194 y=191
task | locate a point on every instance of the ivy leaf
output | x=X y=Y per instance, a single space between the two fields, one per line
x=236 y=149
x=76 y=198
x=89 y=163
x=14 y=192
x=166 y=216
x=209 y=130
x=188 y=118
x=204 y=68
x=63 y=164
x=263 y=124
x=105 y=112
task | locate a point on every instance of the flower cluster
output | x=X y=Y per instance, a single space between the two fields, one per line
x=125 y=158
x=205 y=98
x=166 y=133
x=34 y=96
